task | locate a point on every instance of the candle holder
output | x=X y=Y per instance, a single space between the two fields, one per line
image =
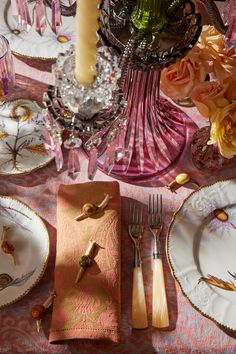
x=140 y=141
x=86 y=101
x=82 y=109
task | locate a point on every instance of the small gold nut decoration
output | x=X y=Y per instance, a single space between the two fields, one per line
x=89 y=209
x=179 y=180
x=221 y=215
x=182 y=178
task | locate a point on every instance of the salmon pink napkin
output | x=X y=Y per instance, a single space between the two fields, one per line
x=89 y=309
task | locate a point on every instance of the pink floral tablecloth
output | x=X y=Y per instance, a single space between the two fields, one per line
x=190 y=332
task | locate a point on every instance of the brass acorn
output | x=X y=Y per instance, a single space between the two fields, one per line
x=85 y=261
x=89 y=209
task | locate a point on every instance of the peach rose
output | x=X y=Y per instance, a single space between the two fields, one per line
x=230 y=85
x=211 y=48
x=223 y=130
x=208 y=96
x=178 y=80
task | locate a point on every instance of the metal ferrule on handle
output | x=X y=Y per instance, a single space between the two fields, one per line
x=156 y=245
x=137 y=256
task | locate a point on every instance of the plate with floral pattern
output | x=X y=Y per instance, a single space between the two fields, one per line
x=21 y=137
x=30 y=44
x=27 y=234
x=201 y=246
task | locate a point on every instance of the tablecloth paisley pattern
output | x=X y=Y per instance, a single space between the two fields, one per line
x=190 y=331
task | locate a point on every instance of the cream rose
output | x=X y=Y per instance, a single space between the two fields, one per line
x=223 y=130
x=178 y=80
x=208 y=96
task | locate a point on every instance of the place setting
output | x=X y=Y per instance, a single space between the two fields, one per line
x=135 y=138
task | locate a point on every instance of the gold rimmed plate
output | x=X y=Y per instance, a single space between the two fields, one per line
x=30 y=44
x=28 y=235
x=21 y=137
x=201 y=247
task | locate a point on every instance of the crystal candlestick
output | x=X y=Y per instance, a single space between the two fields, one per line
x=7 y=72
x=88 y=100
x=84 y=105
x=149 y=134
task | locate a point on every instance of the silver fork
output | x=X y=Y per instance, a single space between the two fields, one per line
x=136 y=230
x=160 y=316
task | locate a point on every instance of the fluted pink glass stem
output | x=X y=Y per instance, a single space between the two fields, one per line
x=152 y=137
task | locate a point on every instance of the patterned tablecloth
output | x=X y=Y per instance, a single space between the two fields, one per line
x=190 y=332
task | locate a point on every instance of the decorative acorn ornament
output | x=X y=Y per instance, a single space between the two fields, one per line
x=86 y=260
x=38 y=311
x=181 y=179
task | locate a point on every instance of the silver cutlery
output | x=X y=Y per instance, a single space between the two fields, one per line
x=160 y=316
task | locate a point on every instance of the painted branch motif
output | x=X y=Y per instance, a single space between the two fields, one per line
x=219 y=283
x=11 y=214
x=21 y=137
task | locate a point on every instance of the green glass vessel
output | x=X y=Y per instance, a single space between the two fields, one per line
x=150 y=15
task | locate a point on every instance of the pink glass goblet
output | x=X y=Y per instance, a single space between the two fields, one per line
x=7 y=73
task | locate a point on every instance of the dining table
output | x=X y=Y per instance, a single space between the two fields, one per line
x=189 y=331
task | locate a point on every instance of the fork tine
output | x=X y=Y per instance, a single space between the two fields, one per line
x=134 y=214
x=161 y=211
x=153 y=209
x=130 y=212
x=153 y=203
x=141 y=216
x=149 y=209
x=142 y=220
x=137 y=215
x=157 y=209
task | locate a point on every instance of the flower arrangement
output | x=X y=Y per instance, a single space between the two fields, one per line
x=207 y=75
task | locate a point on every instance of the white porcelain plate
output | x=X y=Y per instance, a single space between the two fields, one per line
x=29 y=237
x=200 y=246
x=31 y=44
x=21 y=137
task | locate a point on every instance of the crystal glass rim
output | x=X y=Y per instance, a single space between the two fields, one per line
x=5 y=48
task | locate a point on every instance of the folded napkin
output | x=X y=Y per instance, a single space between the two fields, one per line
x=91 y=308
